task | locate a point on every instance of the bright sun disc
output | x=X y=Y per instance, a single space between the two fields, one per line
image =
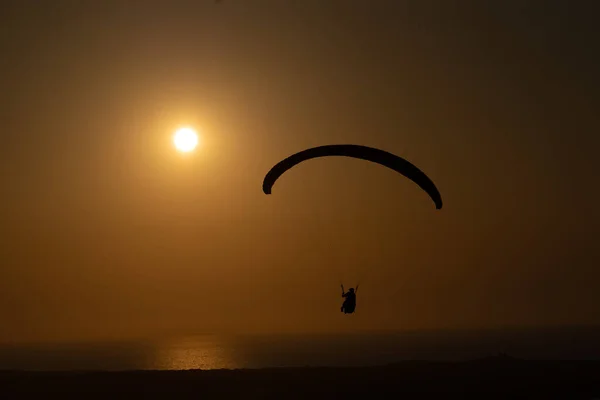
x=186 y=139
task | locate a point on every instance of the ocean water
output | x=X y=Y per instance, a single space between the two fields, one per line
x=260 y=351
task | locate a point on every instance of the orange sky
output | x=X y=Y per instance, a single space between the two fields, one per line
x=109 y=232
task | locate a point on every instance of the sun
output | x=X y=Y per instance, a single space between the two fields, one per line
x=185 y=139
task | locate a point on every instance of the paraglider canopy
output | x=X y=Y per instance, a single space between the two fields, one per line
x=381 y=157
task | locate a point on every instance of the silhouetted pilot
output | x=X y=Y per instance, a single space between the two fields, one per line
x=350 y=300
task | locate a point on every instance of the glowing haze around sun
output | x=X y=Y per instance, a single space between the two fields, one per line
x=185 y=139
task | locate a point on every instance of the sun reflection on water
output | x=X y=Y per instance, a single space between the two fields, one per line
x=194 y=353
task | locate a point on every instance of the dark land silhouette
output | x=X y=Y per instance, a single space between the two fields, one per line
x=489 y=378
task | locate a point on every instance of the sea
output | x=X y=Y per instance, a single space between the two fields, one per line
x=307 y=350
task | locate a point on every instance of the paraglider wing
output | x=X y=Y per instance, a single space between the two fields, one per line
x=382 y=157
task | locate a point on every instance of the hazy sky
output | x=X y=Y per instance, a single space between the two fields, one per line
x=107 y=231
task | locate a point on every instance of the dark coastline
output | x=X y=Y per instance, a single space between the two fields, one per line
x=486 y=378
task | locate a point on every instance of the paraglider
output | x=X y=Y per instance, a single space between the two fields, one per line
x=349 y=304
x=381 y=157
